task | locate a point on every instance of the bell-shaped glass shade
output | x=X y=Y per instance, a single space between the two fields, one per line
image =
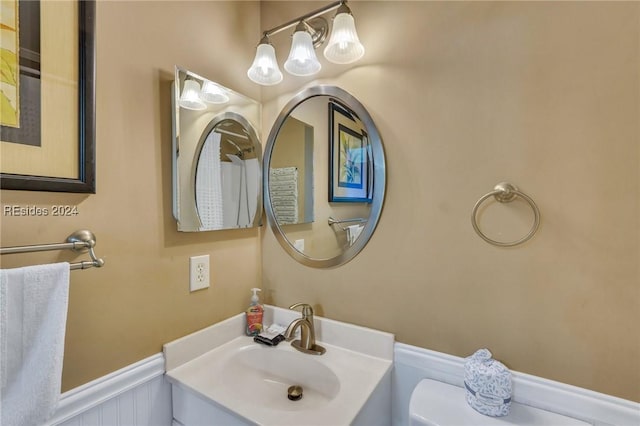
x=302 y=57
x=344 y=46
x=190 y=98
x=264 y=69
x=213 y=94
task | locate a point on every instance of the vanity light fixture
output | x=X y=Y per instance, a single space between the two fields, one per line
x=190 y=98
x=302 y=57
x=265 y=70
x=311 y=30
x=344 y=47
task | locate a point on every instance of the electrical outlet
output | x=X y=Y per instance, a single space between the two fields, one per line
x=198 y=272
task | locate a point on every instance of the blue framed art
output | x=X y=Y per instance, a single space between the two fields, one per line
x=349 y=157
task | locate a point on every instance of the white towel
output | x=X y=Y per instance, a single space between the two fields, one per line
x=353 y=232
x=33 y=316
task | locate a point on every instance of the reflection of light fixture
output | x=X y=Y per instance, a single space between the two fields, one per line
x=344 y=47
x=213 y=94
x=264 y=69
x=190 y=98
x=302 y=57
x=194 y=98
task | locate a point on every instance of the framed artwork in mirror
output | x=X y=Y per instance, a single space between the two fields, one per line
x=47 y=128
x=349 y=157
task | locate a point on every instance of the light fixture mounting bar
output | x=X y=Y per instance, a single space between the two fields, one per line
x=310 y=15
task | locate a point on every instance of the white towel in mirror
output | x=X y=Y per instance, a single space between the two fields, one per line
x=353 y=232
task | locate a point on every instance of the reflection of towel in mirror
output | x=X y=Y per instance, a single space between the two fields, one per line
x=283 y=186
x=353 y=232
x=33 y=315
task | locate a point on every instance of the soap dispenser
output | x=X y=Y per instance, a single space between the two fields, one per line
x=254 y=314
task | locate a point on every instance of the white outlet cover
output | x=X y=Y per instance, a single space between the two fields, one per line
x=198 y=272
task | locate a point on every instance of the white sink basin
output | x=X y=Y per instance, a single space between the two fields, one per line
x=220 y=376
x=269 y=373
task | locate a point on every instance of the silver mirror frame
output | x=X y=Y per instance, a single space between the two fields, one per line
x=379 y=175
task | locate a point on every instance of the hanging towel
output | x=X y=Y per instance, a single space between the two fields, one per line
x=33 y=316
x=353 y=232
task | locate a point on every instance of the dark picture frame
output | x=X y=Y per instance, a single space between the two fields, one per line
x=85 y=182
x=349 y=158
x=21 y=75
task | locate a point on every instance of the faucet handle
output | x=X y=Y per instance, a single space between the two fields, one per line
x=307 y=310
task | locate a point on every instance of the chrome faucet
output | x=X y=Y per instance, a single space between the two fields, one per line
x=307 y=342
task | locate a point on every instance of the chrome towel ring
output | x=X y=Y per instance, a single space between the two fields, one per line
x=504 y=192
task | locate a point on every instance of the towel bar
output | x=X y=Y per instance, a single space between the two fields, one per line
x=333 y=221
x=79 y=241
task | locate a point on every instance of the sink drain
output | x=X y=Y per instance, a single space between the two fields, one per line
x=294 y=393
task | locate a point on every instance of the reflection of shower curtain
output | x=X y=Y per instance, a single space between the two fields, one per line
x=252 y=168
x=232 y=194
x=240 y=186
x=209 y=185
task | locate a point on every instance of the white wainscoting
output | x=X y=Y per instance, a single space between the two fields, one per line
x=137 y=395
x=412 y=364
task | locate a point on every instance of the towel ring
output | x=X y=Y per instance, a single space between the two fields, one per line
x=504 y=192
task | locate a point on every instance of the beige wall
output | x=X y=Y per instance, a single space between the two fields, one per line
x=466 y=95
x=290 y=152
x=140 y=299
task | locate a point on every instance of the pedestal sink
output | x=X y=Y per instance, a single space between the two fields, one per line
x=240 y=382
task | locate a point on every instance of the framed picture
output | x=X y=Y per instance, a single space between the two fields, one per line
x=349 y=158
x=47 y=125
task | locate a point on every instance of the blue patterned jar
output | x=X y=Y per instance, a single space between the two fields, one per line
x=488 y=384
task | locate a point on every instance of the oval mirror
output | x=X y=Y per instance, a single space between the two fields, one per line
x=324 y=177
x=217 y=169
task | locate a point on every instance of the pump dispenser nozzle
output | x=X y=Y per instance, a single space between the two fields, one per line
x=255 y=299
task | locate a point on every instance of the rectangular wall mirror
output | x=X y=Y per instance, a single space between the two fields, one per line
x=217 y=156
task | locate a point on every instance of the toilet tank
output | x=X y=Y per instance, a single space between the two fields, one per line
x=435 y=403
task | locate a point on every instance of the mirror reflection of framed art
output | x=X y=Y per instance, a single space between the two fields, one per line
x=349 y=157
